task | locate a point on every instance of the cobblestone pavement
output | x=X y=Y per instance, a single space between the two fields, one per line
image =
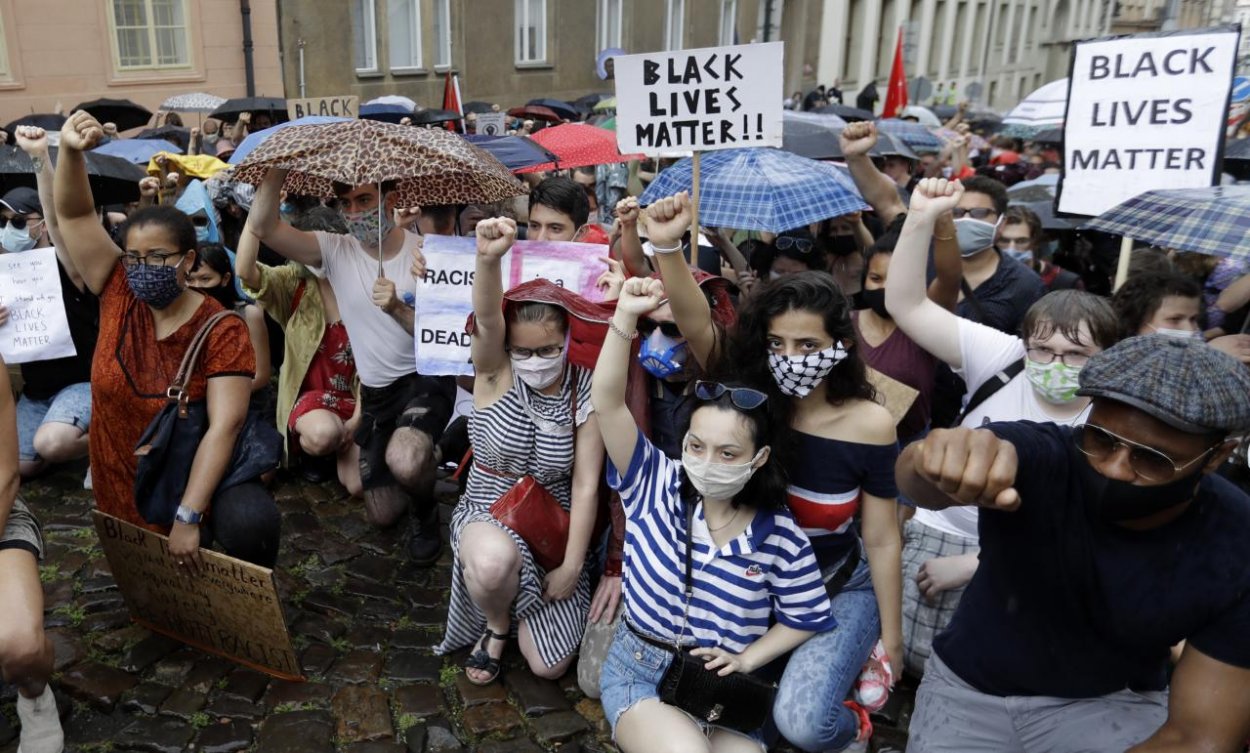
x=362 y=619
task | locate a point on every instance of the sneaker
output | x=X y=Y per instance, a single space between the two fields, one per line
x=865 y=727
x=41 y=726
x=425 y=541
x=872 y=689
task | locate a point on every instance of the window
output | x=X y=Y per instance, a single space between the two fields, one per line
x=674 y=25
x=531 y=31
x=609 y=24
x=4 y=52
x=442 y=33
x=364 y=37
x=403 y=20
x=150 y=34
x=728 y=22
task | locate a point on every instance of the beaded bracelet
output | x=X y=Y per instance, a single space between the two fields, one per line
x=621 y=333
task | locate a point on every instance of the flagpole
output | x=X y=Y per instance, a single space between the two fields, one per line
x=694 y=211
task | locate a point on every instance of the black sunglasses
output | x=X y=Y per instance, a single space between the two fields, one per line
x=788 y=242
x=744 y=398
x=979 y=213
x=19 y=222
x=647 y=326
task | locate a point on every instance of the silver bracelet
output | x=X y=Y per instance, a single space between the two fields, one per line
x=620 y=332
x=672 y=250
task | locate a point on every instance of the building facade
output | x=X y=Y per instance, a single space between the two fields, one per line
x=55 y=54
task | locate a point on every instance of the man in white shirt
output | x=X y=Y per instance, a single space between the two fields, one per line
x=403 y=413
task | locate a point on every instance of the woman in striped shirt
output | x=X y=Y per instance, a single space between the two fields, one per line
x=757 y=591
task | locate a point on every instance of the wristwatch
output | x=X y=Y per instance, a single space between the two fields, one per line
x=187 y=515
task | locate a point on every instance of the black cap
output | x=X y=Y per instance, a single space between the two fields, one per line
x=22 y=200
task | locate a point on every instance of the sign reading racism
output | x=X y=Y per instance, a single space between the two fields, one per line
x=336 y=107
x=1144 y=112
x=230 y=608
x=700 y=100
x=445 y=295
x=30 y=288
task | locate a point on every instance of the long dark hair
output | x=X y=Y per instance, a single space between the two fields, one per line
x=214 y=256
x=767 y=488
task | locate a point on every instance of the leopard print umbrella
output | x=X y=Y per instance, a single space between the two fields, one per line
x=431 y=165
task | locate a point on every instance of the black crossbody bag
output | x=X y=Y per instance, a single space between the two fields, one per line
x=738 y=701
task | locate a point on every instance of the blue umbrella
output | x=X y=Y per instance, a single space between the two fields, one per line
x=1212 y=220
x=914 y=135
x=138 y=151
x=254 y=140
x=516 y=152
x=761 y=189
x=384 y=112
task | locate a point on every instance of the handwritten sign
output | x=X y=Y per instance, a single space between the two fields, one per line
x=30 y=288
x=230 y=609
x=445 y=295
x=704 y=99
x=492 y=123
x=1144 y=112
x=334 y=107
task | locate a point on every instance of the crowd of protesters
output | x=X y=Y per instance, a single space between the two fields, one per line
x=1047 y=535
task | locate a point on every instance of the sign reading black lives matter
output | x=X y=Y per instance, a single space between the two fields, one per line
x=1145 y=112
x=699 y=100
x=230 y=608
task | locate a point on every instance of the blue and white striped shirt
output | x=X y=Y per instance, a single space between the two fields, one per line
x=767 y=574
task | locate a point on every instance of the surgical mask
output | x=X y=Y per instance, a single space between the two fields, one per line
x=156 y=286
x=1055 y=382
x=1021 y=255
x=974 y=235
x=774 y=275
x=797 y=376
x=1184 y=334
x=18 y=240
x=1117 y=501
x=203 y=234
x=720 y=481
x=538 y=373
x=875 y=300
x=662 y=356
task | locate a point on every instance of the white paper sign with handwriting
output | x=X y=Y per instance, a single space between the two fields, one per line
x=30 y=288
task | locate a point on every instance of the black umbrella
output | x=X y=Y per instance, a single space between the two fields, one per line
x=121 y=112
x=429 y=117
x=811 y=140
x=174 y=134
x=113 y=180
x=1049 y=136
x=984 y=120
x=558 y=106
x=587 y=102
x=48 y=121
x=230 y=111
x=846 y=112
x=945 y=112
x=478 y=106
x=1237 y=149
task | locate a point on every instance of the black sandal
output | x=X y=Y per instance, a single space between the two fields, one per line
x=482 y=660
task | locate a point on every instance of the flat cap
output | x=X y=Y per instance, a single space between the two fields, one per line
x=22 y=200
x=1184 y=383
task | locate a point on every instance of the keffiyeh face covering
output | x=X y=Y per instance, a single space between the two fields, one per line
x=799 y=375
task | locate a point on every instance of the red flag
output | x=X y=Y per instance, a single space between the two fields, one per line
x=896 y=95
x=451 y=100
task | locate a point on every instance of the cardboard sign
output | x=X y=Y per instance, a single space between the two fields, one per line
x=893 y=394
x=1144 y=112
x=230 y=608
x=445 y=295
x=492 y=123
x=705 y=99
x=30 y=288
x=336 y=107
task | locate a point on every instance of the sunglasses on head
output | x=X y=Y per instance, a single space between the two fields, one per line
x=743 y=398
x=978 y=213
x=790 y=243
x=647 y=326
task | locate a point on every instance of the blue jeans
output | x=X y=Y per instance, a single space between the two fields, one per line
x=820 y=673
x=71 y=405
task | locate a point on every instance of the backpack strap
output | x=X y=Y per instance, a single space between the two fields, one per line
x=991 y=385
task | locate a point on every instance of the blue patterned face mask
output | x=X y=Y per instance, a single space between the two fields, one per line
x=156 y=286
x=370 y=225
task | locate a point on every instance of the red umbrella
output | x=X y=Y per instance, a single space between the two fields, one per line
x=536 y=112
x=578 y=145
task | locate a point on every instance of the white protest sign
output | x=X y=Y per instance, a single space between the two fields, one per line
x=492 y=123
x=30 y=288
x=347 y=106
x=445 y=295
x=704 y=99
x=1144 y=112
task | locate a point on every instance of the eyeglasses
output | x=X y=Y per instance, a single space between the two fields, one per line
x=787 y=243
x=744 y=398
x=1146 y=462
x=1044 y=356
x=979 y=213
x=546 y=351
x=647 y=326
x=150 y=260
x=18 y=222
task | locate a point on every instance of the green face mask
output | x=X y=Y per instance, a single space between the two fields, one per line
x=1054 y=382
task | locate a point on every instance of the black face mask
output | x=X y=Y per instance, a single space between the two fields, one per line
x=1118 y=501
x=224 y=294
x=875 y=300
x=842 y=245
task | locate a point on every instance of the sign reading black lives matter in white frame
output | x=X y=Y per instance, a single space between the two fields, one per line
x=1145 y=112
x=699 y=100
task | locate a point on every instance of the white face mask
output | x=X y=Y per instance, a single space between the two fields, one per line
x=538 y=373
x=1184 y=334
x=720 y=481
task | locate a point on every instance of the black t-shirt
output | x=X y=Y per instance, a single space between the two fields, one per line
x=41 y=380
x=1065 y=605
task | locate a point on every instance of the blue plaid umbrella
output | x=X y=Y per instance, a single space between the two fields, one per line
x=761 y=189
x=1212 y=221
x=914 y=135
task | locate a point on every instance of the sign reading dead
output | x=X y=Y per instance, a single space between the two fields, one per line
x=1145 y=112
x=230 y=608
x=699 y=100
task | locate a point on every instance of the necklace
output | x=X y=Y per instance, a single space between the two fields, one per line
x=724 y=525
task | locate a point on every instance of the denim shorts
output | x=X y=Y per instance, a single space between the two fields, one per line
x=71 y=405
x=632 y=673
x=22 y=530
